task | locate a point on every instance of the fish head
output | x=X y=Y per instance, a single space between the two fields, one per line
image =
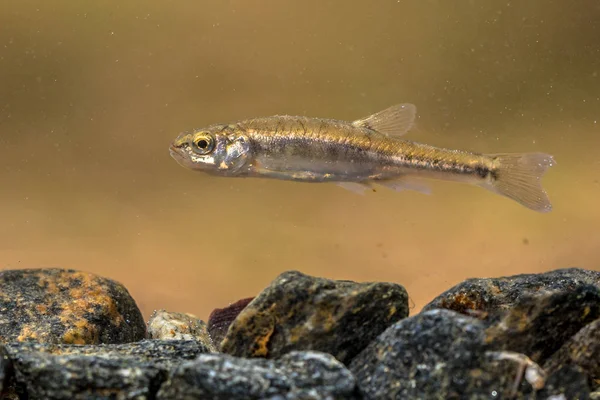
x=216 y=151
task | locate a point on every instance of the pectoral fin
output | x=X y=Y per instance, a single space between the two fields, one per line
x=393 y=121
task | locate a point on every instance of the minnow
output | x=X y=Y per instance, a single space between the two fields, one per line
x=356 y=155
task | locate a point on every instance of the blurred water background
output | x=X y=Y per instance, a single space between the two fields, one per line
x=91 y=94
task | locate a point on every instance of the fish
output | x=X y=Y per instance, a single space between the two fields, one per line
x=356 y=155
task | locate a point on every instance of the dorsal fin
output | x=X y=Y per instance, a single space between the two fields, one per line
x=393 y=121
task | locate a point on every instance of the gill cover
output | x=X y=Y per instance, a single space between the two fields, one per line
x=235 y=150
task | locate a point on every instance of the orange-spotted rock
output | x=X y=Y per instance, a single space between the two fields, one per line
x=66 y=306
x=165 y=325
x=301 y=312
x=477 y=297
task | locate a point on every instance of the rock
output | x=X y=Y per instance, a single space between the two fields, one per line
x=441 y=354
x=569 y=382
x=127 y=371
x=5 y=371
x=429 y=355
x=296 y=375
x=539 y=326
x=80 y=377
x=494 y=294
x=300 y=312
x=221 y=318
x=582 y=350
x=164 y=325
x=162 y=352
x=66 y=306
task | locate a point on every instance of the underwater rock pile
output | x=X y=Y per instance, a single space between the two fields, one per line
x=68 y=334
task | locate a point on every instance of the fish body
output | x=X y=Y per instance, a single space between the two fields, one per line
x=355 y=155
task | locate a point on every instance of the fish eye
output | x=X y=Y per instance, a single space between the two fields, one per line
x=203 y=144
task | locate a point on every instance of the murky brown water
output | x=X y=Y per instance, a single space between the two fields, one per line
x=91 y=94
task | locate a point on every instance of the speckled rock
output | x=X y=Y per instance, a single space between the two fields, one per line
x=494 y=294
x=570 y=382
x=127 y=371
x=429 y=355
x=162 y=352
x=300 y=312
x=66 y=306
x=165 y=325
x=582 y=350
x=5 y=371
x=295 y=376
x=539 y=326
x=441 y=354
x=221 y=318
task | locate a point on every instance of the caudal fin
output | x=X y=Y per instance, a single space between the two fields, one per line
x=518 y=176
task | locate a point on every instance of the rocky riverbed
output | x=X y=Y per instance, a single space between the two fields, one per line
x=68 y=334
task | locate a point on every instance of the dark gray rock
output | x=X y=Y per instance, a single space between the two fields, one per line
x=425 y=356
x=296 y=375
x=80 y=377
x=570 y=382
x=496 y=294
x=441 y=354
x=539 y=326
x=66 y=306
x=582 y=350
x=129 y=371
x=300 y=312
x=6 y=371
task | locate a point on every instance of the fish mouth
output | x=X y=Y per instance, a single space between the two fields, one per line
x=175 y=152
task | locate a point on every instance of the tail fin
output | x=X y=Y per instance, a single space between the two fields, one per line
x=518 y=175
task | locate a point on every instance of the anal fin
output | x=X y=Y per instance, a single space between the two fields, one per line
x=405 y=183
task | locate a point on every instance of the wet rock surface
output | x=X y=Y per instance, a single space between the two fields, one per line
x=296 y=375
x=66 y=306
x=303 y=337
x=300 y=312
x=500 y=294
x=165 y=325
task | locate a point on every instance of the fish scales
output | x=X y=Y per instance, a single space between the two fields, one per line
x=316 y=139
x=333 y=141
